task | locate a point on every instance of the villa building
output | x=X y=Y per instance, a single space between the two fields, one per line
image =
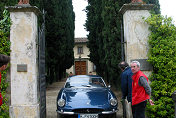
x=82 y=65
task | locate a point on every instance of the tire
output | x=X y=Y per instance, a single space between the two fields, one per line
x=114 y=115
x=59 y=116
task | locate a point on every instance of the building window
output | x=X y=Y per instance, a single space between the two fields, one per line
x=80 y=50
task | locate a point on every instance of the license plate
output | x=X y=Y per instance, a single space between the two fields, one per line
x=88 y=116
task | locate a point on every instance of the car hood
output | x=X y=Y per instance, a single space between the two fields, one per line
x=87 y=98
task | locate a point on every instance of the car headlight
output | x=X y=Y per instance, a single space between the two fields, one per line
x=113 y=102
x=61 y=102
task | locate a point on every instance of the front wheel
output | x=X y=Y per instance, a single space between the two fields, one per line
x=113 y=115
x=59 y=116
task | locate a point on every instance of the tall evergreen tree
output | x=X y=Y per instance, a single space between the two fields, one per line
x=59 y=37
x=104 y=37
x=94 y=25
x=111 y=39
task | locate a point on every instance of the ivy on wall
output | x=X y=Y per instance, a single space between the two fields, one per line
x=162 y=56
x=4 y=49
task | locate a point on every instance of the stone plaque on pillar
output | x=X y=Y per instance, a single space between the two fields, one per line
x=21 y=67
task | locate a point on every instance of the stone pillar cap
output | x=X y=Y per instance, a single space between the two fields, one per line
x=135 y=6
x=23 y=8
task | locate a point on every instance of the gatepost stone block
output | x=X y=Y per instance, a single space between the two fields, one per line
x=136 y=33
x=24 y=66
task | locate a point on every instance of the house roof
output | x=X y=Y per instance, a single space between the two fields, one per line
x=81 y=40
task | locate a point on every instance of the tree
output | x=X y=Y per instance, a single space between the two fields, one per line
x=111 y=39
x=102 y=24
x=94 y=25
x=122 y=2
x=59 y=37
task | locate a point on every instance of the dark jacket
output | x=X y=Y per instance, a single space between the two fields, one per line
x=126 y=84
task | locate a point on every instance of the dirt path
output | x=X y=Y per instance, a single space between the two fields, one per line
x=118 y=95
x=51 y=95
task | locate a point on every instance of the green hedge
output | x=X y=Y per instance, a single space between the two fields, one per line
x=162 y=55
x=4 y=49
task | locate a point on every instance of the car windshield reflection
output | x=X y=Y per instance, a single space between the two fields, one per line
x=86 y=82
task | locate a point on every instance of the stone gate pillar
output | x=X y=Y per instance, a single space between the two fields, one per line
x=136 y=33
x=24 y=67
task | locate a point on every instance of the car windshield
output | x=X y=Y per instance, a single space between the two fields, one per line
x=85 y=81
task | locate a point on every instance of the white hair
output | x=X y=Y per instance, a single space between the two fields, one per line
x=137 y=62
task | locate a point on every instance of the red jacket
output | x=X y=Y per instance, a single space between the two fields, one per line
x=138 y=92
x=0 y=91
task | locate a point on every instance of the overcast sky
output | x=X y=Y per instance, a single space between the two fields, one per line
x=80 y=19
x=168 y=7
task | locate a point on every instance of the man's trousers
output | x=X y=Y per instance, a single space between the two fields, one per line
x=138 y=110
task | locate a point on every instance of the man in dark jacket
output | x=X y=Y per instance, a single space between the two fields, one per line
x=126 y=84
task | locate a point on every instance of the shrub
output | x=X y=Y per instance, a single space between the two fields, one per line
x=4 y=49
x=162 y=56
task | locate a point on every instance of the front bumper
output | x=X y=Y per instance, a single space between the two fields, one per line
x=72 y=113
x=107 y=114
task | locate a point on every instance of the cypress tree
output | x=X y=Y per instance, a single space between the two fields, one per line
x=102 y=24
x=94 y=26
x=111 y=39
x=59 y=37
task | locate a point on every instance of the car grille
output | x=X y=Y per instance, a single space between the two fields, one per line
x=88 y=110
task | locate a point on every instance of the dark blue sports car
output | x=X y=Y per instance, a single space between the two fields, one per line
x=86 y=96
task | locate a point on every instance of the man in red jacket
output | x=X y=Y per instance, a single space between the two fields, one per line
x=141 y=91
x=4 y=60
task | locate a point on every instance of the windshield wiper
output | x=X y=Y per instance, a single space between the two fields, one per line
x=87 y=85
